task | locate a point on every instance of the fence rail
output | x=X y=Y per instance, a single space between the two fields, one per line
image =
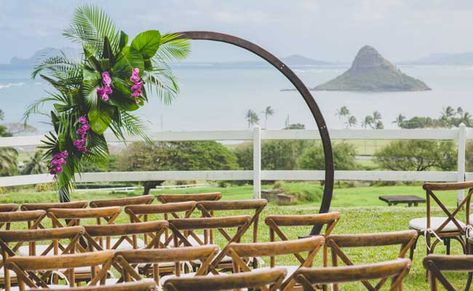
x=459 y=135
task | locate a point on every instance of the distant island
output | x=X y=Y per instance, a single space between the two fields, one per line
x=459 y=59
x=371 y=72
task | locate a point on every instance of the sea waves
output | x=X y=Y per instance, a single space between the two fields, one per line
x=9 y=85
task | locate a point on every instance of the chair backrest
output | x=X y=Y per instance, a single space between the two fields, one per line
x=240 y=252
x=211 y=209
x=396 y=269
x=33 y=218
x=276 y=223
x=140 y=213
x=72 y=216
x=173 y=198
x=451 y=216
x=143 y=285
x=49 y=205
x=138 y=200
x=336 y=243
x=27 y=268
x=127 y=235
x=436 y=265
x=131 y=258
x=183 y=229
x=12 y=240
x=259 y=279
x=8 y=207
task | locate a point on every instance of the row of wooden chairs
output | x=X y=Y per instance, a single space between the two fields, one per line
x=125 y=262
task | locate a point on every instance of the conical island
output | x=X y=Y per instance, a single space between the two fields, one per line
x=371 y=72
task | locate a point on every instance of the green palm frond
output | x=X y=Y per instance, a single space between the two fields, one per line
x=172 y=48
x=162 y=82
x=90 y=25
x=58 y=66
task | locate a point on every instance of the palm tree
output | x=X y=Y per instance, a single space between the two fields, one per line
x=399 y=119
x=448 y=112
x=466 y=119
x=342 y=112
x=352 y=121
x=268 y=111
x=36 y=164
x=8 y=161
x=368 y=122
x=251 y=117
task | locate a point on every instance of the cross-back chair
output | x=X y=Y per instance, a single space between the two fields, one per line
x=436 y=265
x=48 y=205
x=8 y=207
x=131 y=259
x=122 y=202
x=277 y=223
x=231 y=229
x=446 y=227
x=143 y=285
x=337 y=243
x=240 y=252
x=397 y=269
x=69 y=217
x=212 y=209
x=28 y=269
x=60 y=241
x=173 y=198
x=33 y=219
x=256 y=280
x=141 y=213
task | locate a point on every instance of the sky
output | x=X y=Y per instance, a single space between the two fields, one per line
x=328 y=30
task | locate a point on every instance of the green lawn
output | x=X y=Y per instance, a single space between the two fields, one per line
x=361 y=211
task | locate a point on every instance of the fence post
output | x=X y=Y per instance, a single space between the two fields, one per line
x=461 y=159
x=257 y=162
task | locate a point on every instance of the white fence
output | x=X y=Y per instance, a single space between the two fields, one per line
x=459 y=135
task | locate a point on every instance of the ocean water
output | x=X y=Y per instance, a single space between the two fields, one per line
x=218 y=98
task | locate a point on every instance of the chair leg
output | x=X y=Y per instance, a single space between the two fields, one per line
x=413 y=247
x=447 y=243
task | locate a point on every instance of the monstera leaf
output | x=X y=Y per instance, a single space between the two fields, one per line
x=100 y=119
x=147 y=43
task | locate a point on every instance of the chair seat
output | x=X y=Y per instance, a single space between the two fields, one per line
x=420 y=224
x=190 y=238
x=125 y=245
x=25 y=250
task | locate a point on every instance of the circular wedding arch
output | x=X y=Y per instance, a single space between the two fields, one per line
x=301 y=88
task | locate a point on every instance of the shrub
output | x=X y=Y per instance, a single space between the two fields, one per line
x=302 y=191
x=44 y=187
x=202 y=155
x=417 y=155
x=344 y=157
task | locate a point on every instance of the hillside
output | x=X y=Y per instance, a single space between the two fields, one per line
x=371 y=72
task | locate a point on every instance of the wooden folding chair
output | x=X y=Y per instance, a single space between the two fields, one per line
x=131 y=259
x=240 y=252
x=141 y=213
x=224 y=225
x=122 y=202
x=8 y=207
x=61 y=241
x=336 y=243
x=256 y=280
x=69 y=217
x=444 y=227
x=397 y=269
x=124 y=236
x=33 y=219
x=437 y=264
x=276 y=222
x=143 y=285
x=211 y=209
x=173 y=198
x=28 y=269
x=49 y=205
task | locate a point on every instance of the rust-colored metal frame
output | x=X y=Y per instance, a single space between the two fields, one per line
x=301 y=88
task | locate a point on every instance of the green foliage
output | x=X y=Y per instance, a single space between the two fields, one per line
x=35 y=165
x=202 y=155
x=308 y=192
x=450 y=117
x=275 y=154
x=417 y=155
x=344 y=157
x=105 y=49
x=8 y=161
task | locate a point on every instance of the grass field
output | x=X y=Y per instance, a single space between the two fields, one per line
x=361 y=210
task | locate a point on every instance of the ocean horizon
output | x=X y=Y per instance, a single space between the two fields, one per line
x=218 y=97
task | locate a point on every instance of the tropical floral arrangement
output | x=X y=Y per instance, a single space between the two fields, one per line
x=98 y=92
